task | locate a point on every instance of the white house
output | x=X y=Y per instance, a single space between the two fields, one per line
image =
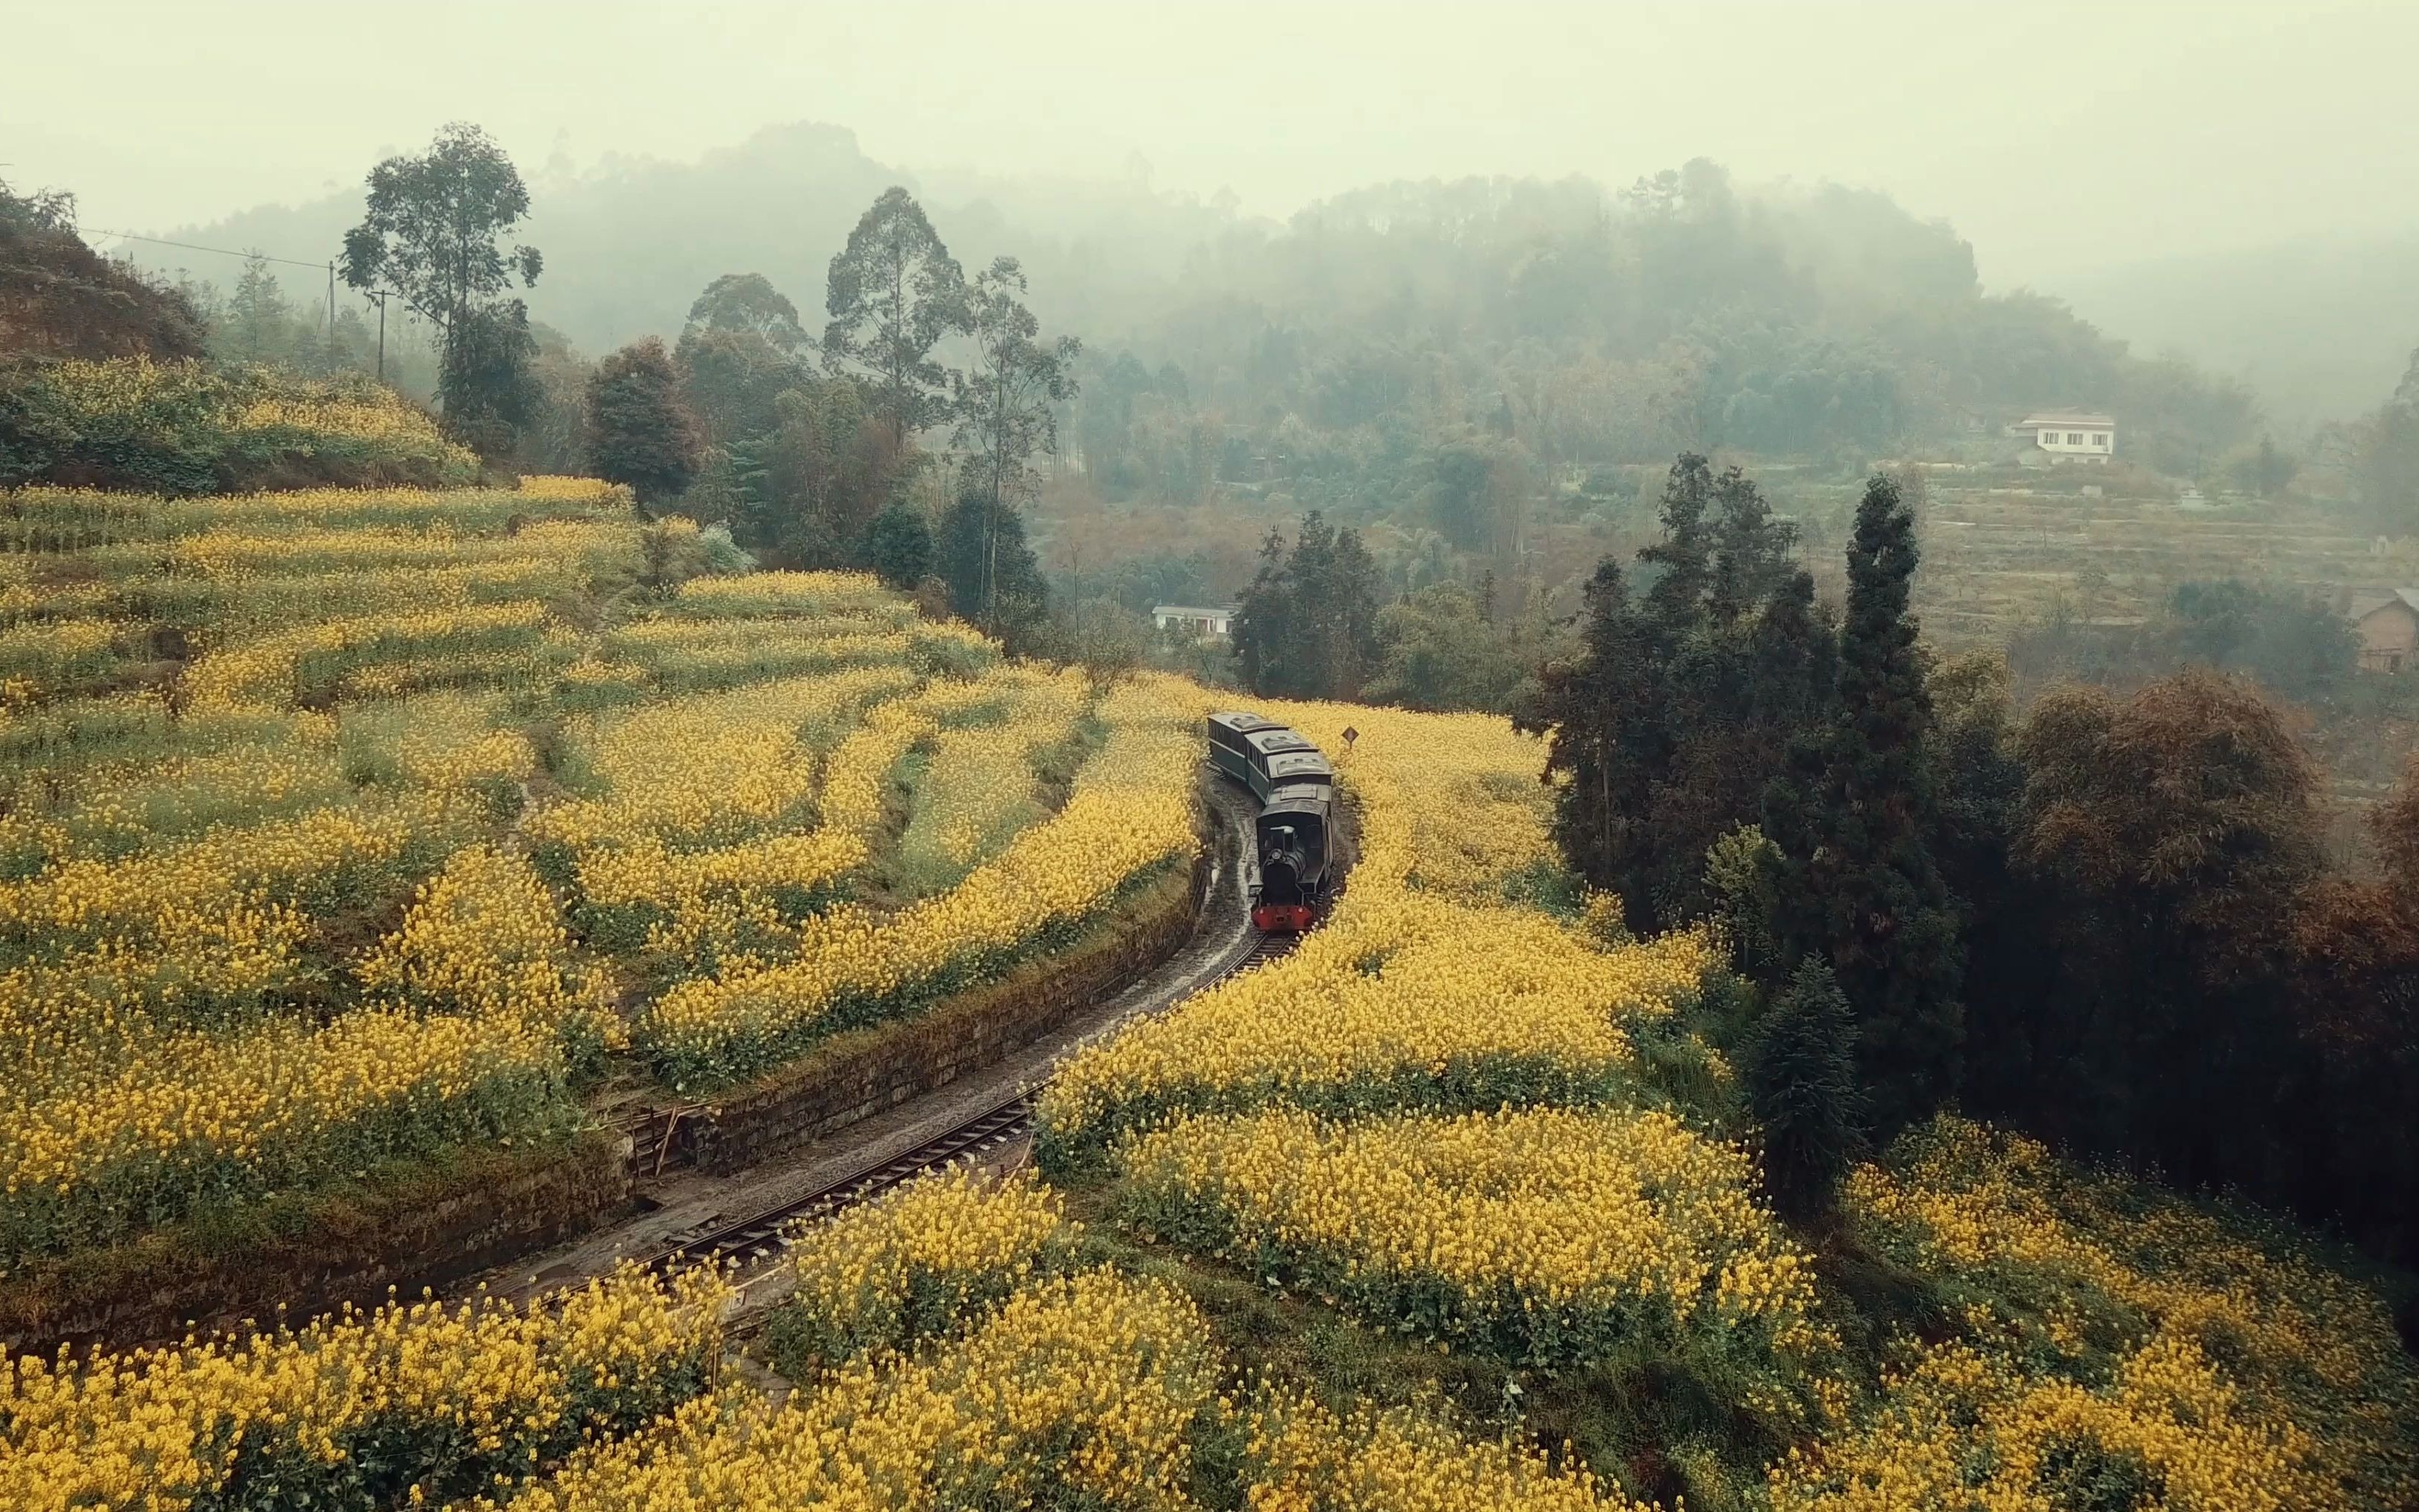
x=1206 y=623
x=2067 y=436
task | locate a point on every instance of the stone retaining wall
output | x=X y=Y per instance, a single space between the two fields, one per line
x=427 y=1231
x=858 y=1075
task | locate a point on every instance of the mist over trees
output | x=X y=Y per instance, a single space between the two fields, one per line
x=1681 y=311
x=2381 y=451
x=430 y=234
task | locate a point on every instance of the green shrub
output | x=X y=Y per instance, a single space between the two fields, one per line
x=186 y=427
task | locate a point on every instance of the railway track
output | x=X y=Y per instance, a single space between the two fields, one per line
x=749 y=1241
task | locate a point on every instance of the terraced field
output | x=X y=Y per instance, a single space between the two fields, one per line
x=1995 y=559
x=342 y=828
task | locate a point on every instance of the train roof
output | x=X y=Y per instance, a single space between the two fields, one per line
x=1238 y=721
x=1276 y=738
x=1300 y=767
x=1297 y=798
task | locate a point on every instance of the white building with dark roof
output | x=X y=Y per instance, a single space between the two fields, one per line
x=2067 y=436
x=1208 y=624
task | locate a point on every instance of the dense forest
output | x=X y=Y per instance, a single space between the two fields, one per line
x=2105 y=917
x=1616 y=322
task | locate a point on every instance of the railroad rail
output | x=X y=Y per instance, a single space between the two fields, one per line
x=749 y=1242
x=663 y=1135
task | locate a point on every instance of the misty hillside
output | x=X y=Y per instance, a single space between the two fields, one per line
x=2318 y=329
x=1682 y=311
x=629 y=242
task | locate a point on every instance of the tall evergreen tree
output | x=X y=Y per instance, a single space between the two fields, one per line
x=1860 y=888
x=1263 y=633
x=1336 y=591
x=488 y=380
x=1801 y=1086
x=899 y=546
x=814 y=480
x=1581 y=706
x=639 y=430
x=1674 y=599
x=981 y=553
x=1685 y=699
x=1307 y=627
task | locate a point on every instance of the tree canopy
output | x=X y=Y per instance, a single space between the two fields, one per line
x=1683 y=701
x=639 y=430
x=892 y=292
x=433 y=227
x=1307 y=627
x=1855 y=819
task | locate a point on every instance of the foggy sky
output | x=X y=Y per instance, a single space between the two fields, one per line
x=2057 y=136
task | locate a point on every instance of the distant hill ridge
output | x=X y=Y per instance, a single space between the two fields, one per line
x=1792 y=319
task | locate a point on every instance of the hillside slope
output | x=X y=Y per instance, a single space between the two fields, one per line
x=346 y=827
x=2320 y=328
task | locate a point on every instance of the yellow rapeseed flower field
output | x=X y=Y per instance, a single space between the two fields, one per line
x=2080 y=1276
x=258 y=414
x=919 y=1263
x=1304 y=1457
x=352 y=1411
x=1085 y=1391
x=342 y=828
x=1130 y=815
x=1546 y=1235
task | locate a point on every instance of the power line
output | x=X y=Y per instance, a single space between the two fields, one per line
x=377 y=296
x=190 y=246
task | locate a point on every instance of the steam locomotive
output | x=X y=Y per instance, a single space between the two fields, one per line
x=1294 y=832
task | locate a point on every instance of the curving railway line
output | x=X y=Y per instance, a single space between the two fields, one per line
x=1225 y=942
x=746 y=1242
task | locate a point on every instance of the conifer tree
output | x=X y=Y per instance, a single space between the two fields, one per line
x=639 y=430
x=1307 y=626
x=1684 y=700
x=899 y=546
x=1854 y=819
x=1801 y=1086
x=1581 y=704
x=1263 y=626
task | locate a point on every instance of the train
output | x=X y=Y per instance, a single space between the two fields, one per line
x=1294 y=832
